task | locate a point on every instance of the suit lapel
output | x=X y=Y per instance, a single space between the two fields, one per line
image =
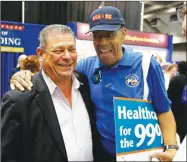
x=85 y=95
x=46 y=105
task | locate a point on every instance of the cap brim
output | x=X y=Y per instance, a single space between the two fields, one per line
x=105 y=28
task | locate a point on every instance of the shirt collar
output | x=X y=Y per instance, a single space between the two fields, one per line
x=127 y=60
x=76 y=83
x=52 y=86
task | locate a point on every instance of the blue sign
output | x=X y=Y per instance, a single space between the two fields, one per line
x=136 y=126
x=12 y=38
x=19 y=37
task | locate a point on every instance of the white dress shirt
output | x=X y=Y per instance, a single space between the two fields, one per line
x=181 y=153
x=167 y=80
x=74 y=122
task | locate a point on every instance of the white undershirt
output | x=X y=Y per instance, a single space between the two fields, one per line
x=167 y=80
x=74 y=122
x=181 y=153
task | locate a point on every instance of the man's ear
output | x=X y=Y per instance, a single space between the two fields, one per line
x=39 y=52
x=123 y=31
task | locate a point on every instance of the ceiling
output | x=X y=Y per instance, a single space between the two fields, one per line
x=160 y=17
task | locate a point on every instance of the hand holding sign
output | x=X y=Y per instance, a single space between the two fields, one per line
x=137 y=130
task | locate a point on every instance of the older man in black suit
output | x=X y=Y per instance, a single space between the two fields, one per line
x=54 y=122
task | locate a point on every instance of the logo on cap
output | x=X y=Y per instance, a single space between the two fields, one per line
x=101 y=16
x=107 y=18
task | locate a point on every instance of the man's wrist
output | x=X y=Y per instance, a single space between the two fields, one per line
x=171 y=147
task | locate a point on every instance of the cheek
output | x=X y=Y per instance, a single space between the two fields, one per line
x=116 y=45
x=74 y=59
x=54 y=59
x=94 y=44
x=48 y=60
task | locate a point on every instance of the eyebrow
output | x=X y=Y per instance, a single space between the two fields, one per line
x=65 y=45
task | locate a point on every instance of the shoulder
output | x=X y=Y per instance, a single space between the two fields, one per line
x=17 y=96
x=154 y=63
x=81 y=77
x=137 y=56
x=87 y=64
x=15 y=102
x=90 y=59
x=134 y=54
x=23 y=96
x=178 y=79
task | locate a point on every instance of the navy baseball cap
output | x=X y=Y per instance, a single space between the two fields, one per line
x=107 y=18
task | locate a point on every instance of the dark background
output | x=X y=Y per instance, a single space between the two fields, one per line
x=57 y=12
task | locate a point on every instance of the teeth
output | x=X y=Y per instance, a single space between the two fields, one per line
x=65 y=65
x=105 y=50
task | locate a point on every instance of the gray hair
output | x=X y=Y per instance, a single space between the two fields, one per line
x=58 y=28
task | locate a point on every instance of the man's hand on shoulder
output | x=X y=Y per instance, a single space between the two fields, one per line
x=21 y=80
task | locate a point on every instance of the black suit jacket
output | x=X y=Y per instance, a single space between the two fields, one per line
x=179 y=110
x=30 y=130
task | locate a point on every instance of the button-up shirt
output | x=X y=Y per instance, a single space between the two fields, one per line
x=74 y=121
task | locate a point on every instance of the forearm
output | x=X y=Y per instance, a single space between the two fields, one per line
x=168 y=127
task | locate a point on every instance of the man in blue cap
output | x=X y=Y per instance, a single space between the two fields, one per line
x=107 y=74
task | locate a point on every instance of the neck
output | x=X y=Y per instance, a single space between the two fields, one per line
x=119 y=58
x=66 y=85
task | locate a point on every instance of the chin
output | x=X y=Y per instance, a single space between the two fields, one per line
x=108 y=63
x=65 y=74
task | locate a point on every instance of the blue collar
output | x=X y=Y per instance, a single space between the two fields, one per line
x=126 y=60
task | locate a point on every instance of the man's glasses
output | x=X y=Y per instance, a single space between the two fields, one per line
x=104 y=34
x=181 y=12
x=60 y=51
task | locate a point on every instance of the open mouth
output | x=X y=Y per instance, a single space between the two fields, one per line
x=65 y=66
x=105 y=52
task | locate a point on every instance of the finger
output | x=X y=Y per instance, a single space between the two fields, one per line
x=28 y=74
x=22 y=75
x=18 y=85
x=28 y=81
x=157 y=156
x=25 y=84
x=12 y=87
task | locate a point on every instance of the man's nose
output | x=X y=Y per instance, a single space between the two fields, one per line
x=101 y=40
x=67 y=54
